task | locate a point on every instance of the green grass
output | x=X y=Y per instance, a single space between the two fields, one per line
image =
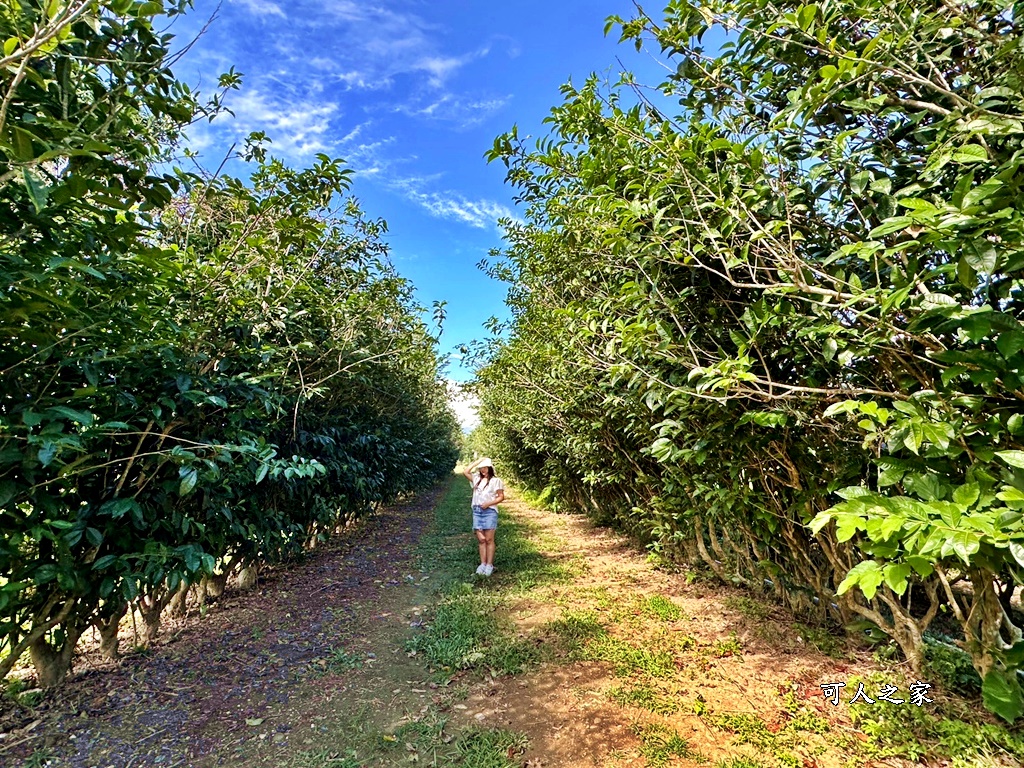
x=17 y=690
x=730 y=646
x=339 y=660
x=426 y=741
x=823 y=640
x=491 y=748
x=644 y=696
x=661 y=607
x=747 y=729
x=740 y=762
x=659 y=744
x=629 y=659
x=40 y=758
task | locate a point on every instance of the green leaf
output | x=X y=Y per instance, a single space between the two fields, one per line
x=982 y=256
x=914 y=436
x=1009 y=493
x=79 y=417
x=8 y=489
x=1013 y=458
x=963 y=544
x=894 y=224
x=37 y=192
x=1002 y=694
x=922 y=565
x=831 y=347
x=970 y=153
x=806 y=15
x=1017 y=552
x=867 y=575
x=47 y=453
x=896 y=575
x=967 y=494
x=189 y=478
x=820 y=521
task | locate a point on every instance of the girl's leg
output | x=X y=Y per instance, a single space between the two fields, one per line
x=488 y=547
x=481 y=538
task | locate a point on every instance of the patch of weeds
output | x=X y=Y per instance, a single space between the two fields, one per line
x=808 y=722
x=748 y=607
x=584 y=638
x=700 y=706
x=699 y=574
x=545 y=499
x=740 y=762
x=341 y=660
x=913 y=733
x=822 y=639
x=730 y=647
x=747 y=728
x=426 y=735
x=491 y=748
x=40 y=758
x=659 y=744
x=800 y=717
x=574 y=629
x=945 y=730
x=951 y=667
x=661 y=607
x=629 y=659
x=17 y=690
x=644 y=697
x=465 y=633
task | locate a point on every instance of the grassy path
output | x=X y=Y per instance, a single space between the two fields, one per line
x=385 y=650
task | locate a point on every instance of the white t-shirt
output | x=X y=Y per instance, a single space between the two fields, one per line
x=486 y=491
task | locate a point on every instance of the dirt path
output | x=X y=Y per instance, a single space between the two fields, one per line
x=382 y=649
x=256 y=673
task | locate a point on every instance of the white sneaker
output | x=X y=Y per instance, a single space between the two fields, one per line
x=481 y=570
x=488 y=570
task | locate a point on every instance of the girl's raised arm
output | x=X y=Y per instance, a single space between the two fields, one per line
x=468 y=471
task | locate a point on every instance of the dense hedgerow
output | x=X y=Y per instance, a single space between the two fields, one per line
x=198 y=373
x=780 y=331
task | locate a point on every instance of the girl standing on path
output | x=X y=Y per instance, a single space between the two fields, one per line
x=488 y=492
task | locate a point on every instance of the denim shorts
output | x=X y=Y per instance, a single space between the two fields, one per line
x=484 y=519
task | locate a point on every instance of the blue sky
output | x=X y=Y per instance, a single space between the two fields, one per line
x=411 y=94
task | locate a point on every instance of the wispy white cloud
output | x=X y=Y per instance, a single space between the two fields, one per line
x=447 y=204
x=262 y=8
x=450 y=108
x=297 y=127
x=381 y=43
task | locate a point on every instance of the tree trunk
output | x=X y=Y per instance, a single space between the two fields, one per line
x=53 y=664
x=247 y=577
x=179 y=603
x=151 y=607
x=108 y=627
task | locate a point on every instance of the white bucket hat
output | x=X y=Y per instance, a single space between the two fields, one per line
x=485 y=463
